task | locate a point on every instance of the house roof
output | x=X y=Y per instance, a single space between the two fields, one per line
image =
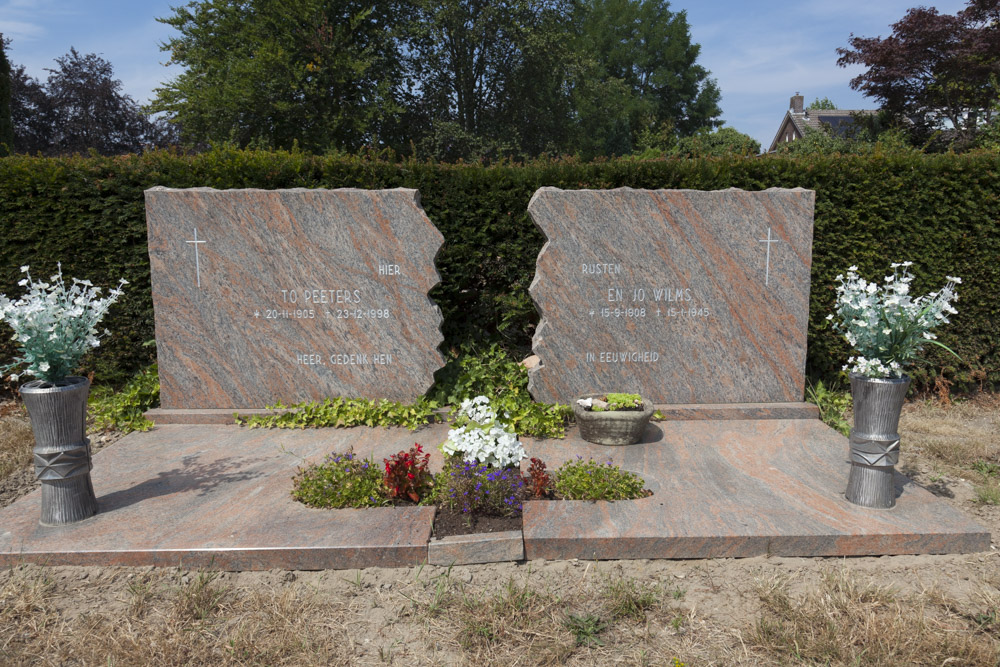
x=839 y=120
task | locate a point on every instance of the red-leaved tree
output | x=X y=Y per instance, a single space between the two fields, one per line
x=937 y=70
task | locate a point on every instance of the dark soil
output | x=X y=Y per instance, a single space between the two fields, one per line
x=449 y=522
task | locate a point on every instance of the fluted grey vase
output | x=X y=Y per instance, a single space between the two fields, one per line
x=874 y=442
x=58 y=413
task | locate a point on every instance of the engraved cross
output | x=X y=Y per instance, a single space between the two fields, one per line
x=767 y=264
x=197 y=262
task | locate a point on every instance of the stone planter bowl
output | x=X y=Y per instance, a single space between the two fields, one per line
x=612 y=427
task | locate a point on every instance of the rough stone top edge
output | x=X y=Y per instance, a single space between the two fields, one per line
x=549 y=188
x=161 y=188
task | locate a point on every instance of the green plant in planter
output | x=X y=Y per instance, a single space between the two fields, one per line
x=589 y=480
x=620 y=402
x=339 y=481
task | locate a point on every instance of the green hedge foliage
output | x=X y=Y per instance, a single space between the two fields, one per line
x=940 y=211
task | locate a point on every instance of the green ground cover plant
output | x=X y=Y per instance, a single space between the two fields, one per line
x=493 y=372
x=581 y=479
x=340 y=481
x=343 y=413
x=833 y=404
x=123 y=410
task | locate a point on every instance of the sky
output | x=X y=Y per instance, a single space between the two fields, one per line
x=760 y=53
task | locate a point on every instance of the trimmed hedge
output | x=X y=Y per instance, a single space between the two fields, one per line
x=940 y=211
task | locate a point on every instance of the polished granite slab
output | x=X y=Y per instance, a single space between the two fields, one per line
x=683 y=296
x=741 y=488
x=218 y=496
x=268 y=296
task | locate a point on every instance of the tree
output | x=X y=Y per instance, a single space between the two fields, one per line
x=89 y=111
x=488 y=75
x=30 y=112
x=323 y=73
x=822 y=104
x=470 y=79
x=640 y=72
x=934 y=69
x=6 y=126
x=720 y=143
x=79 y=108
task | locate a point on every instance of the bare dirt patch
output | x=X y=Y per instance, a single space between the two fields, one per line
x=898 y=610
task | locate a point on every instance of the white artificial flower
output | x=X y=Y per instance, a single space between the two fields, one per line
x=53 y=324
x=886 y=327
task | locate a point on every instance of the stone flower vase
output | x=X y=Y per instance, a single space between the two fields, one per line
x=874 y=442
x=58 y=413
x=612 y=427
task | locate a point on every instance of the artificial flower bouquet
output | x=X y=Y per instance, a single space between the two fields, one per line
x=54 y=325
x=885 y=325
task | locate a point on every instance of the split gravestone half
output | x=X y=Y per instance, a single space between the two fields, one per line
x=263 y=296
x=682 y=296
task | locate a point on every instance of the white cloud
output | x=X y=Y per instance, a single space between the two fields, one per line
x=20 y=30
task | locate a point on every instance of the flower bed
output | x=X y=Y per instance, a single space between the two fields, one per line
x=481 y=487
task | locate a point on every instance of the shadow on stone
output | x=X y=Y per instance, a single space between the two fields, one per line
x=938 y=488
x=653 y=433
x=201 y=478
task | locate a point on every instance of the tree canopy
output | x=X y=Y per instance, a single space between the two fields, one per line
x=80 y=107
x=822 y=104
x=445 y=79
x=935 y=69
x=6 y=126
x=319 y=72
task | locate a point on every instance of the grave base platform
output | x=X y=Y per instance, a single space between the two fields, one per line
x=162 y=416
x=673 y=411
x=695 y=411
x=218 y=497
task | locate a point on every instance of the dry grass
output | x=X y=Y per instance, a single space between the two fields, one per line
x=16 y=441
x=122 y=616
x=851 y=620
x=958 y=435
x=167 y=621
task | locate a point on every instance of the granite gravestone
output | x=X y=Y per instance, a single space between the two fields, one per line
x=686 y=297
x=263 y=296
